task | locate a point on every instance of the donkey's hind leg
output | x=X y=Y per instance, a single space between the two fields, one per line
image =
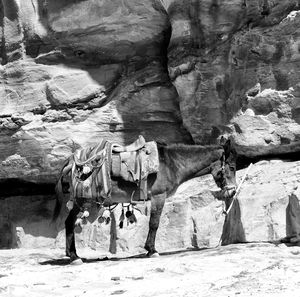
x=70 y=236
x=157 y=204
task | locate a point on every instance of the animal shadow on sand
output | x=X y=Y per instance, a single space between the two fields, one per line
x=66 y=261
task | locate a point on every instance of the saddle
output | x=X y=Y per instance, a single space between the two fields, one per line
x=133 y=147
x=134 y=163
x=93 y=167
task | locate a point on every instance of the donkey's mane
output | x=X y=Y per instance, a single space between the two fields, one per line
x=180 y=156
x=190 y=148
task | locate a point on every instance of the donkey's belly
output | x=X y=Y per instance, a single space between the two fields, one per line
x=123 y=191
x=120 y=199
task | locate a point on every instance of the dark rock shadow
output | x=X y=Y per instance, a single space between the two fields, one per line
x=23 y=215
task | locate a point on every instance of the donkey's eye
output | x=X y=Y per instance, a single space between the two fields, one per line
x=231 y=168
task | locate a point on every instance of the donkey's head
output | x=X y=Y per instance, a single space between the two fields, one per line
x=224 y=169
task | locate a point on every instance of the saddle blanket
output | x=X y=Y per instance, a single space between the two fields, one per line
x=91 y=172
x=93 y=166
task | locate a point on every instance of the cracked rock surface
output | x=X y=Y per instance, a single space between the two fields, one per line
x=172 y=70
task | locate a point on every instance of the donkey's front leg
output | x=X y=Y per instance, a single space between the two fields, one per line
x=70 y=236
x=157 y=204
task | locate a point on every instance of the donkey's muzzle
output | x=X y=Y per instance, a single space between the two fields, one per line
x=229 y=191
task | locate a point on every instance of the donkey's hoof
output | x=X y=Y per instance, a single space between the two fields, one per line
x=153 y=255
x=65 y=257
x=295 y=239
x=77 y=261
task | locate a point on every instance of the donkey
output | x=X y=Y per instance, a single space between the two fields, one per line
x=177 y=164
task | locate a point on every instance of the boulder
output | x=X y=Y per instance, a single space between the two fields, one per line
x=268 y=125
x=261 y=211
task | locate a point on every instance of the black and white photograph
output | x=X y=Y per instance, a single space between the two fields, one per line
x=150 y=148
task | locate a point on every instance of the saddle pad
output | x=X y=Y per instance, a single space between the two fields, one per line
x=90 y=172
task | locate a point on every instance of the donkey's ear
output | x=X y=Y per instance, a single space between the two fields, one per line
x=228 y=143
x=224 y=140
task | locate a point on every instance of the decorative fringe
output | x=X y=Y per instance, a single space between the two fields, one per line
x=131 y=218
x=122 y=218
x=104 y=215
x=70 y=205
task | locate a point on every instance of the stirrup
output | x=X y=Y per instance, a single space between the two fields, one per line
x=137 y=201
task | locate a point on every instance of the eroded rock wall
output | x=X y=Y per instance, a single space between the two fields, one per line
x=218 y=52
x=79 y=71
x=74 y=71
x=174 y=71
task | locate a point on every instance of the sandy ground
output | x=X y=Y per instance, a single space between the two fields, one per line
x=236 y=270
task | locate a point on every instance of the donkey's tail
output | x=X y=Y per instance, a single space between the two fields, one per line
x=67 y=166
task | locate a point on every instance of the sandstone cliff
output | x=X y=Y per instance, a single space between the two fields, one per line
x=75 y=71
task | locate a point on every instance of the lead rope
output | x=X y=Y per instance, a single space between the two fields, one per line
x=226 y=212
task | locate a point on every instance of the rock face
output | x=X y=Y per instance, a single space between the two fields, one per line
x=172 y=70
x=81 y=76
x=74 y=71
x=218 y=51
x=269 y=124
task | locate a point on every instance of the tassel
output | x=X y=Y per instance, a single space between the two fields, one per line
x=107 y=215
x=84 y=217
x=70 y=205
x=85 y=214
x=78 y=221
x=128 y=212
x=132 y=219
x=86 y=169
x=122 y=218
x=101 y=220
